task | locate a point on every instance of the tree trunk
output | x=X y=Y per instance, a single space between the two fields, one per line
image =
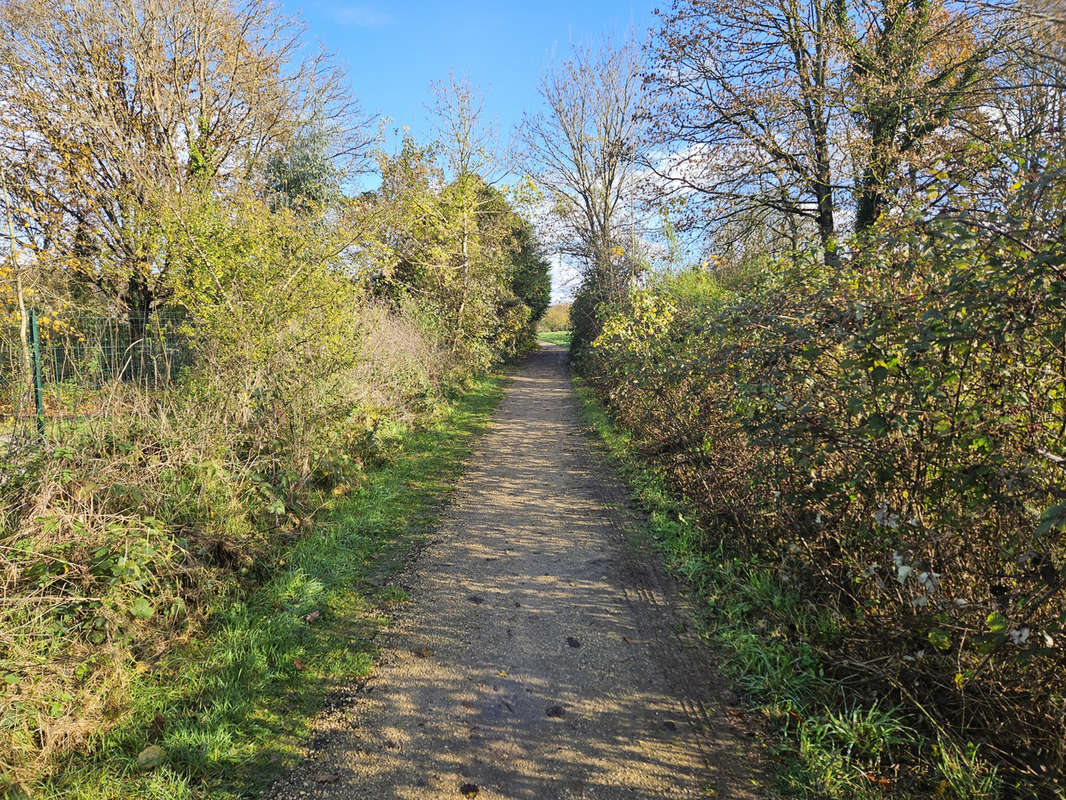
x=826 y=224
x=872 y=188
x=20 y=296
x=139 y=297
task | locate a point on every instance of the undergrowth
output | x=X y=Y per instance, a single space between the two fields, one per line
x=219 y=715
x=839 y=740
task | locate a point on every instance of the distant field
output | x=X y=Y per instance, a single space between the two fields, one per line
x=561 y=338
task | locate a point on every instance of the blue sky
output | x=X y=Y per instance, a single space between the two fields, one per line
x=393 y=51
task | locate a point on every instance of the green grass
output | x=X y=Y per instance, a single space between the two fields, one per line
x=561 y=338
x=231 y=709
x=830 y=743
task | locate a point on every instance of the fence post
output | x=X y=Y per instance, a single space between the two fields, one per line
x=38 y=398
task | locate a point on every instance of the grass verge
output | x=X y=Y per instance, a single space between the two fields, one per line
x=222 y=717
x=835 y=743
x=561 y=338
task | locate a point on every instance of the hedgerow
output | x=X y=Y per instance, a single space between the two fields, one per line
x=886 y=437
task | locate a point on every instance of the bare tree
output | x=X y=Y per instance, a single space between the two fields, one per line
x=466 y=138
x=793 y=106
x=748 y=113
x=584 y=152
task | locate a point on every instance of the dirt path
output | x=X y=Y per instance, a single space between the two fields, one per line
x=539 y=656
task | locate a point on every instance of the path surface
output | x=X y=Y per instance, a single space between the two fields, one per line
x=539 y=656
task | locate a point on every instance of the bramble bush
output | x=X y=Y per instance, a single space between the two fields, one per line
x=889 y=436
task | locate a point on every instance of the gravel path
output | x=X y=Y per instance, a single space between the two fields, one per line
x=542 y=654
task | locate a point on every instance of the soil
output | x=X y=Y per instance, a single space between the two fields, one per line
x=543 y=652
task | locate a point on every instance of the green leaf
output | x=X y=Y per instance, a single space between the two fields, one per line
x=996 y=622
x=141 y=608
x=940 y=639
x=1054 y=517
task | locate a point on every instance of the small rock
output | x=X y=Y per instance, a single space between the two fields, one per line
x=476 y=599
x=570 y=640
x=554 y=711
x=151 y=757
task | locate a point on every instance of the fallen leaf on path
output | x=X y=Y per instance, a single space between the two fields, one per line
x=627 y=640
x=468 y=790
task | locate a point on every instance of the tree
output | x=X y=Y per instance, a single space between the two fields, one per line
x=531 y=278
x=583 y=152
x=464 y=143
x=914 y=65
x=748 y=114
x=304 y=175
x=459 y=250
x=116 y=107
x=781 y=109
x=466 y=139
x=18 y=295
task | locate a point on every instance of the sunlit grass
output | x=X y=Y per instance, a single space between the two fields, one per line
x=561 y=338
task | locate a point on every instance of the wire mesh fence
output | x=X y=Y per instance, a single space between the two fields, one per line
x=59 y=372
